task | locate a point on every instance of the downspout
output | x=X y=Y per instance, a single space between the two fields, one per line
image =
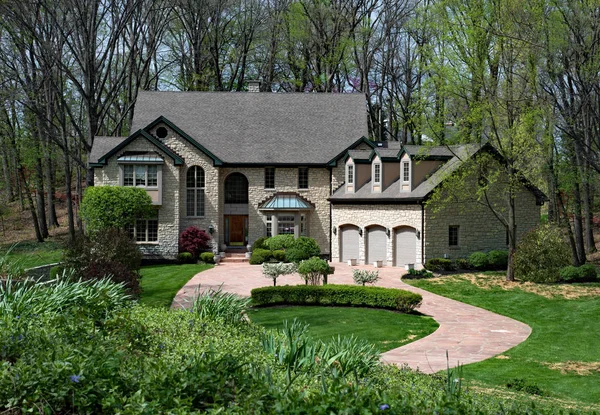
x=422 y=234
x=330 y=212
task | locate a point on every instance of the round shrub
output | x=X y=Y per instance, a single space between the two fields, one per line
x=363 y=276
x=259 y=256
x=313 y=269
x=463 y=263
x=207 y=257
x=278 y=242
x=417 y=274
x=497 y=259
x=259 y=243
x=439 y=264
x=584 y=273
x=569 y=273
x=185 y=258
x=302 y=248
x=279 y=255
x=541 y=254
x=479 y=260
x=194 y=241
x=588 y=272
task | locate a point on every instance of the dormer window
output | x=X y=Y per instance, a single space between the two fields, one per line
x=377 y=173
x=350 y=174
x=406 y=171
x=142 y=170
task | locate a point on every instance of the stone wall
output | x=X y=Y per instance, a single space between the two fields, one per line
x=363 y=216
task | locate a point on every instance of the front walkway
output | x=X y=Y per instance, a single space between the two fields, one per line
x=469 y=334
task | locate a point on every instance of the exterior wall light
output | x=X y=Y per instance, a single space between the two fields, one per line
x=388 y=232
x=211 y=229
x=335 y=230
x=360 y=231
x=418 y=234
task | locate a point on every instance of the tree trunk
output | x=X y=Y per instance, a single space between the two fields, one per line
x=512 y=236
x=51 y=190
x=39 y=197
x=36 y=225
x=578 y=225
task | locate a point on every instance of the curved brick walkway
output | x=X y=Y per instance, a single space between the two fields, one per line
x=469 y=334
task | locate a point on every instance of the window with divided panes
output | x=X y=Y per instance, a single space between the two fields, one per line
x=195 y=191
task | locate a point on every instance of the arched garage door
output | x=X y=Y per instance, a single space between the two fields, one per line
x=349 y=242
x=405 y=246
x=376 y=244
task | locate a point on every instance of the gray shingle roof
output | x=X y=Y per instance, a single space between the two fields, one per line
x=360 y=154
x=103 y=145
x=432 y=151
x=261 y=128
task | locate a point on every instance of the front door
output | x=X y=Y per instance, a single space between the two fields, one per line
x=237 y=229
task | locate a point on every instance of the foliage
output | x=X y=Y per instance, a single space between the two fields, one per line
x=583 y=273
x=207 y=257
x=519 y=384
x=541 y=254
x=414 y=274
x=439 y=264
x=279 y=242
x=259 y=256
x=479 y=260
x=363 y=276
x=313 y=270
x=276 y=270
x=105 y=207
x=194 y=241
x=259 y=243
x=302 y=248
x=185 y=258
x=463 y=263
x=9 y=266
x=279 y=255
x=110 y=253
x=498 y=259
x=219 y=305
x=337 y=295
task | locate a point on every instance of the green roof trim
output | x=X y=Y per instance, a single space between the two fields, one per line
x=176 y=158
x=363 y=139
x=163 y=120
x=286 y=201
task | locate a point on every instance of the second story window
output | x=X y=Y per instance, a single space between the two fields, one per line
x=350 y=174
x=406 y=171
x=195 y=191
x=303 y=178
x=377 y=173
x=453 y=235
x=269 y=177
x=140 y=175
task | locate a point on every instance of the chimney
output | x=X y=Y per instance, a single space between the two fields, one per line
x=253 y=85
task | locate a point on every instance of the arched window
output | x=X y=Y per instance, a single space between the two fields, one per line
x=236 y=189
x=195 y=191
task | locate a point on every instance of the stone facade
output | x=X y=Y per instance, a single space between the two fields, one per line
x=364 y=216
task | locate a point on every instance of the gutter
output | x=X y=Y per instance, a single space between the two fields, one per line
x=422 y=234
x=330 y=213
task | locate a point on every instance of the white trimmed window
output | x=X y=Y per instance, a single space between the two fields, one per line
x=286 y=224
x=269 y=223
x=303 y=230
x=350 y=174
x=195 y=191
x=144 y=230
x=140 y=175
x=405 y=171
x=377 y=173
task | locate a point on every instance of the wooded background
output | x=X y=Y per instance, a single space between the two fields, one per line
x=521 y=74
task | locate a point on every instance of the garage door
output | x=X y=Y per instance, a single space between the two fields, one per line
x=406 y=246
x=376 y=244
x=349 y=243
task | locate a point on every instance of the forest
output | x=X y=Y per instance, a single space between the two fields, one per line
x=523 y=75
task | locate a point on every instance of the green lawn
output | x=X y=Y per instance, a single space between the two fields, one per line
x=31 y=254
x=564 y=330
x=385 y=329
x=160 y=283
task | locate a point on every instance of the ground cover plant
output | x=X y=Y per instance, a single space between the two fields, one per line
x=560 y=356
x=160 y=283
x=31 y=254
x=385 y=329
x=86 y=348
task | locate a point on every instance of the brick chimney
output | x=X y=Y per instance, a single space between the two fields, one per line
x=253 y=85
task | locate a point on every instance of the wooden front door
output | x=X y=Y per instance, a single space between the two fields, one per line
x=237 y=229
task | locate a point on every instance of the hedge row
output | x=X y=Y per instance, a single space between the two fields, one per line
x=337 y=295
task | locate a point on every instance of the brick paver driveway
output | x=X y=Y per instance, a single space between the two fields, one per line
x=469 y=334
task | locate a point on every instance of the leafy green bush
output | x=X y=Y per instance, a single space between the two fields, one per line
x=420 y=274
x=219 y=305
x=279 y=255
x=194 y=241
x=498 y=259
x=541 y=254
x=463 y=263
x=185 y=258
x=276 y=270
x=260 y=243
x=105 y=207
x=302 y=248
x=439 y=264
x=519 y=384
x=110 y=253
x=259 y=256
x=479 y=260
x=279 y=242
x=207 y=257
x=337 y=295
x=363 y=276
x=313 y=270
x=584 y=273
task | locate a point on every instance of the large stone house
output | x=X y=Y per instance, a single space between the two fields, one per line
x=246 y=165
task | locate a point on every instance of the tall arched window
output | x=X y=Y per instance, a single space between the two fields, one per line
x=195 y=191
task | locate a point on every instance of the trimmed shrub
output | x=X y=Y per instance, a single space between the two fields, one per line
x=279 y=242
x=337 y=295
x=194 y=241
x=463 y=263
x=313 y=270
x=498 y=259
x=541 y=254
x=302 y=248
x=439 y=264
x=259 y=256
x=207 y=257
x=259 y=243
x=420 y=274
x=279 y=255
x=276 y=270
x=584 y=273
x=479 y=260
x=362 y=276
x=185 y=258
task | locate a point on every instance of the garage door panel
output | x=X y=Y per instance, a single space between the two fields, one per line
x=349 y=239
x=405 y=246
x=376 y=244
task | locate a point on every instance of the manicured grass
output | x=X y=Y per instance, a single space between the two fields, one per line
x=563 y=330
x=160 y=283
x=385 y=329
x=31 y=254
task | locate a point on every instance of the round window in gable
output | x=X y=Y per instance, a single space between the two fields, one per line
x=162 y=132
